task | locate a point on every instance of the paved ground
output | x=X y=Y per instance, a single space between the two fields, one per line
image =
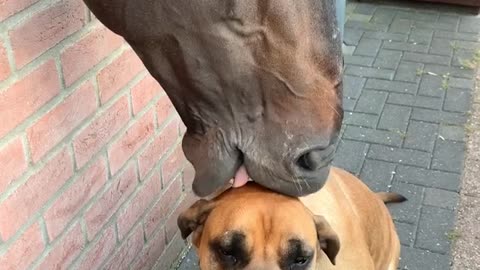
x=408 y=90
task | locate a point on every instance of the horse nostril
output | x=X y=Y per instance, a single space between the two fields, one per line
x=311 y=161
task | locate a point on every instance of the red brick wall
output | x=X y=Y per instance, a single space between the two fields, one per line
x=92 y=174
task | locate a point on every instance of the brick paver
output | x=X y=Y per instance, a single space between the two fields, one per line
x=406 y=99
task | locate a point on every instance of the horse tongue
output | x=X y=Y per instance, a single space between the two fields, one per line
x=241 y=177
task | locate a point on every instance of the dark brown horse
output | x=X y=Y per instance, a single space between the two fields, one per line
x=256 y=82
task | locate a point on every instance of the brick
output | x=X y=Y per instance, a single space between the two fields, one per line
x=408 y=211
x=4 y=64
x=23 y=251
x=366 y=26
x=65 y=250
x=371 y=102
x=453 y=133
x=428 y=178
x=448 y=156
x=158 y=148
x=144 y=92
x=352 y=37
x=384 y=15
x=372 y=136
x=164 y=109
x=394 y=118
x=129 y=250
x=387 y=59
x=405 y=46
x=116 y=75
x=12 y=163
x=108 y=203
x=457 y=100
x=345 y=159
x=414 y=258
x=88 y=52
x=421 y=136
x=171 y=227
x=172 y=165
x=368 y=47
x=352 y=86
x=386 y=36
x=173 y=250
x=377 y=175
x=10 y=7
x=432 y=86
x=433 y=227
x=360 y=119
x=129 y=215
x=54 y=126
x=45 y=29
x=121 y=150
x=461 y=83
x=421 y=36
x=441 y=198
x=453 y=71
x=391 y=86
x=99 y=251
x=100 y=131
x=438 y=116
x=188 y=176
x=369 y=72
x=161 y=210
x=415 y=101
x=406 y=233
x=441 y=47
x=33 y=194
x=456 y=35
x=151 y=252
x=408 y=71
x=27 y=95
x=358 y=60
x=75 y=197
x=400 y=26
x=397 y=155
x=426 y=58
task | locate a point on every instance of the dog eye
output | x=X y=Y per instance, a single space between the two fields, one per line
x=299 y=262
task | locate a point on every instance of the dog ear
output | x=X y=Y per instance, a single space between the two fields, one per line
x=193 y=218
x=329 y=242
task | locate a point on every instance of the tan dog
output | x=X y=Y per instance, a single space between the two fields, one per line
x=343 y=226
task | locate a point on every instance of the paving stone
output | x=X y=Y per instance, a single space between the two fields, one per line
x=190 y=262
x=419 y=259
x=408 y=211
x=384 y=15
x=435 y=25
x=415 y=101
x=469 y=25
x=371 y=102
x=406 y=233
x=352 y=86
x=365 y=8
x=453 y=71
x=360 y=17
x=426 y=58
x=453 y=133
x=387 y=59
x=359 y=60
x=398 y=155
x=373 y=136
x=391 y=86
x=441 y=198
x=368 y=47
x=386 y=36
x=426 y=16
x=456 y=35
x=438 y=116
x=350 y=155
x=360 y=119
x=461 y=56
x=394 y=118
x=405 y=46
x=457 y=100
x=448 y=156
x=352 y=36
x=432 y=86
x=421 y=36
x=409 y=71
x=428 y=178
x=377 y=175
x=449 y=18
x=442 y=47
x=366 y=26
x=421 y=136
x=400 y=26
x=348 y=50
x=461 y=83
x=349 y=104
x=433 y=228
x=370 y=72
x=405 y=14
x=466 y=45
